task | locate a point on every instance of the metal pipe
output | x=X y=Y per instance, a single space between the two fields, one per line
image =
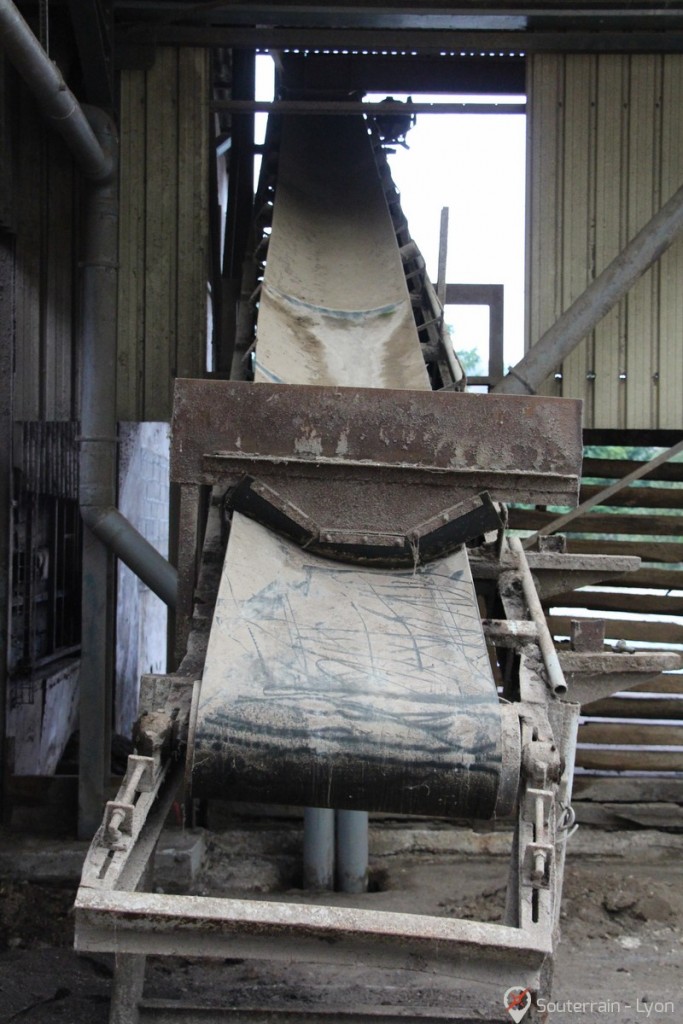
x=352 y=851
x=596 y=301
x=97 y=474
x=318 y=848
x=556 y=681
x=91 y=137
x=57 y=103
x=355 y=107
x=134 y=550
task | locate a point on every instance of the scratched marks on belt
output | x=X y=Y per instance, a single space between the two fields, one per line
x=325 y=652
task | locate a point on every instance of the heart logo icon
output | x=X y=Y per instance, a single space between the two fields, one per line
x=517 y=1001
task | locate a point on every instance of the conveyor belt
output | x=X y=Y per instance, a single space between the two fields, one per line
x=334 y=304
x=342 y=686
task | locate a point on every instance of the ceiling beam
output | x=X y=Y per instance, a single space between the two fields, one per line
x=405 y=41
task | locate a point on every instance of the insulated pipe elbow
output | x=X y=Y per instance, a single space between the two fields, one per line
x=134 y=550
x=57 y=103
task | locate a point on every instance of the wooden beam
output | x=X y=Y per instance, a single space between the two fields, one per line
x=601 y=522
x=614 y=469
x=639 y=497
x=630 y=707
x=627 y=629
x=617 y=733
x=654 y=579
x=404 y=40
x=600 y=600
x=626 y=790
x=630 y=760
x=648 y=551
x=658 y=815
x=602 y=496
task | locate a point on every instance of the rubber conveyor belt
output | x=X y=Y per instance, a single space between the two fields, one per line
x=327 y=684
x=334 y=306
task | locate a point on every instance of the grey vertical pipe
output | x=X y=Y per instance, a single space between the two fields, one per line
x=57 y=103
x=596 y=301
x=352 y=851
x=97 y=485
x=91 y=136
x=318 y=848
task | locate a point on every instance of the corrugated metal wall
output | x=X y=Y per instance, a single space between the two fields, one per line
x=164 y=234
x=605 y=152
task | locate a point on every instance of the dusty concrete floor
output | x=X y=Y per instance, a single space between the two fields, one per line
x=621 y=948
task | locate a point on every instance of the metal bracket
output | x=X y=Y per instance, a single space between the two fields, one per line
x=436 y=536
x=537 y=866
x=141 y=777
x=118 y=819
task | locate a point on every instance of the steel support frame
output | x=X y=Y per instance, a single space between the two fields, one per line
x=113 y=915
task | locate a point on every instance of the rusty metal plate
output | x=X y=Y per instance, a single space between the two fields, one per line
x=336 y=686
x=515 y=447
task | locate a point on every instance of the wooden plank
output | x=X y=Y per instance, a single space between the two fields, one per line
x=664 y=682
x=161 y=225
x=131 y=280
x=620 y=815
x=638 y=497
x=659 y=579
x=59 y=402
x=630 y=707
x=671 y=263
x=669 y=682
x=31 y=157
x=630 y=760
x=644 y=140
x=602 y=497
x=600 y=522
x=626 y=790
x=616 y=469
x=52 y=258
x=617 y=733
x=577 y=268
x=610 y=221
x=193 y=209
x=650 y=604
x=648 y=551
x=8 y=203
x=627 y=629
